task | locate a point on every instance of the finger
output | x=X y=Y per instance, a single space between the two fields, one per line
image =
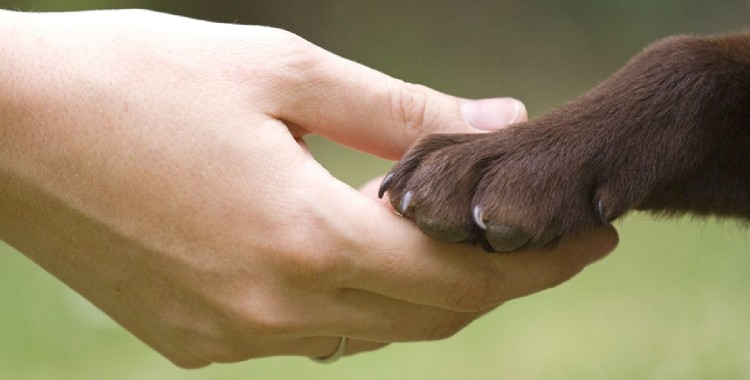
x=370 y=111
x=373 y=317
x=357 y=346
x=314 y=347
x=393 y=258
x=534 y=271
x=464 y=278
x=243 y=347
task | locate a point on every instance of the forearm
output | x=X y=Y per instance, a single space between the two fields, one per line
x=61 y=129
x=33 y=98
x=26 y=209
x=64 y=199
x=53 y=128
x=12 y=102
x=16 y=140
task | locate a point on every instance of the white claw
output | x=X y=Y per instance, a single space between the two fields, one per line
x=405 y=202
x=478 y=217
x=601 y=213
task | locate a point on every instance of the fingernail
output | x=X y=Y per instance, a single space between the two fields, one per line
x=491 y=114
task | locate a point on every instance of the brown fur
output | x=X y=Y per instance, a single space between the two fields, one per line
x=668 y=133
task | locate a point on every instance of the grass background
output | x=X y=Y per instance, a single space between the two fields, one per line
x=672 y=302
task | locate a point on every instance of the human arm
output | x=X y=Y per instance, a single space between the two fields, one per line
x=155 y=165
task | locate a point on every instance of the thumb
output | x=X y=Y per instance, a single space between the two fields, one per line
x=367 y=110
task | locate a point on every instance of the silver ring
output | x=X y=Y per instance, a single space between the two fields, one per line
x=336 y=355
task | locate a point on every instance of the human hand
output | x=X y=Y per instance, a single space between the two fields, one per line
x=155 y=165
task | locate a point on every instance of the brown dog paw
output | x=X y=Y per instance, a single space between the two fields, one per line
x=667 y=133
x=510 y=190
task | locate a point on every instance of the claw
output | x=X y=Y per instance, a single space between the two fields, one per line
x=478 y=216
x=385 y=185
x=405 y=203
x=601 y=213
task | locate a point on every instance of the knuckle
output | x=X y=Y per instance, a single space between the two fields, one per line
x=280 y=57
x=279 y=39
x=478 y=290
x=262 y=319
x=257 y=312
x=321 y=266
x=409 y=106
x=226 y=341
x=297 y=54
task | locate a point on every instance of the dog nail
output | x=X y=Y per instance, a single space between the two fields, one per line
x=385 y=185
x=601 y=212
x=405 y=203
x=478 y=217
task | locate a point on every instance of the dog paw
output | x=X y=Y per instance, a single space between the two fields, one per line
x=510 y=190
x=667 y=134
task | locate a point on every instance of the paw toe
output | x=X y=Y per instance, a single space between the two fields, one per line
x=504 y=237
x=438 y=228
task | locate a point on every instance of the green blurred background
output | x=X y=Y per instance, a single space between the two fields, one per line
x=672 y=302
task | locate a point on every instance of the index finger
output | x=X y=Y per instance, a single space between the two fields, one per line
x=367 y=110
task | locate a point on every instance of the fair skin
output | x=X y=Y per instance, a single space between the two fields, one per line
x=155 y=165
